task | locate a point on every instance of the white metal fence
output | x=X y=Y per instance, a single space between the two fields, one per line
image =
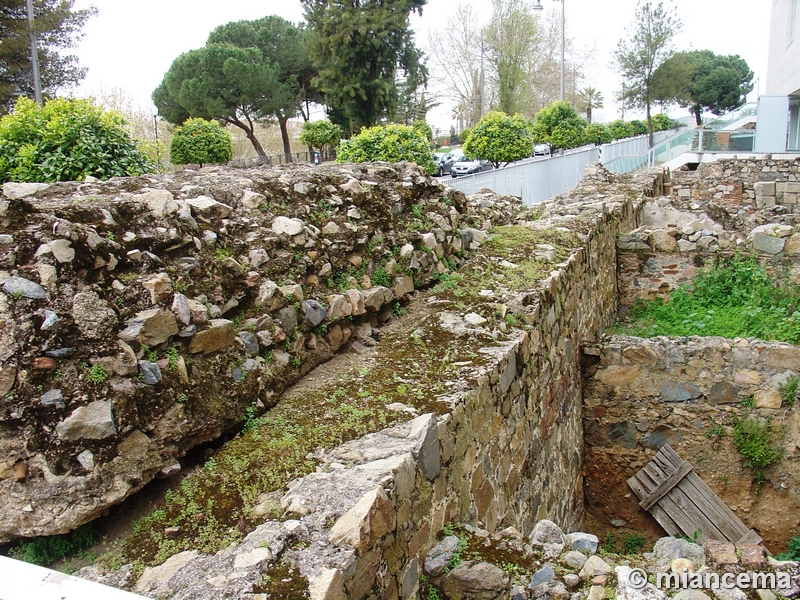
x=539 y=180
x=534 y=181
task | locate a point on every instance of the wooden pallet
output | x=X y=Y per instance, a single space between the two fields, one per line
x=670 y=490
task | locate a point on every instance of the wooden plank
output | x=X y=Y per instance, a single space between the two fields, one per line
x=751 y=537
x=666 y=485
x=658 y=513
x=707 y=501
x=709 y=505
x=680 y=509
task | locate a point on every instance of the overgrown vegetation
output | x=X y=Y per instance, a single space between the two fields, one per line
x=788 y=390
x=736 y=298
x=793 y=551
x=45 y=551
x=753 y=440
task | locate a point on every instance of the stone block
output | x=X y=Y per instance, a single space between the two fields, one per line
x=721 y=553
x=370 y=519
x=764 y=188
x=768 y=243
x=752 y=556
x=220 y=334
x=92 y=422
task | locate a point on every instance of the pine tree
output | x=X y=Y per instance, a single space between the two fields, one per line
x=358 y=48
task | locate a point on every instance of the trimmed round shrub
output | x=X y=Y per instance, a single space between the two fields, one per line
x=620 y=129
x=499 y=138
x=661 y=122
x=595 y=132
x=318 y=133
x=201 y=142
x=390 y=143
x=67 y=140
x=638 y=127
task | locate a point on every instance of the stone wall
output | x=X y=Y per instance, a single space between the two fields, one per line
x=741 y=182
x=642 y=393
x=508 y=452
x=141 y=317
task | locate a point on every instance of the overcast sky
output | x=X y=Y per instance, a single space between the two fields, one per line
x=130 y=45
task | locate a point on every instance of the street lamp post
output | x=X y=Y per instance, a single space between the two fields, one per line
x=37 y=88
x=538 y=6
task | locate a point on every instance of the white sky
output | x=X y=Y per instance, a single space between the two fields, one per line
x=130 y=45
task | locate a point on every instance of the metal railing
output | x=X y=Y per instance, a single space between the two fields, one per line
x=635 y=146
x=534 y=181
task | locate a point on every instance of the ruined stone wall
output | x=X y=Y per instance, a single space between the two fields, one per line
x=642 y=393
x=741 y=182
x=506 y=454
x=141 y=317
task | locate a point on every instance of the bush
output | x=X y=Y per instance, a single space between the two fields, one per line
x=45 y=551
x=751 y=439
x=559 y=126
x=318 y=133
x=619 y=129
x=793 y=552
x=638 y=127
x=391 y=143
x=595 y=131
x=201 y=142
x=499 y=138
x=67 y=140
x=423 y=129
x=661 y=122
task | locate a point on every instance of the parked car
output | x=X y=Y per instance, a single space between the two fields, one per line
x=467 y=166
x=443 y=163
x=541 y=150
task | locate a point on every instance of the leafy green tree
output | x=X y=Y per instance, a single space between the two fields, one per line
x=620 y=129
x=58 y=28
x=198 y=141
x=358 y=48
x=391 y=143
x=248 y=72
x=284 y=46
x=316 y=134
x=589 y=99
x=66 y=140
x=639 y=127
x=423 y=129
x=638 y=55
x=559 y=126
x=661 y=122
x=499 y=138
x=511 y=36
x=702 y=81
x=595 y=132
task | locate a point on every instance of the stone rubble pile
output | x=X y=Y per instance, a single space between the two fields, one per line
x=568 y=567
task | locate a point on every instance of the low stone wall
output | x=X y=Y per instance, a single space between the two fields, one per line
x=642 y=393
x=507 y=453
x=733 y=181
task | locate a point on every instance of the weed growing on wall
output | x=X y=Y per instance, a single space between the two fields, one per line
x=735 y=299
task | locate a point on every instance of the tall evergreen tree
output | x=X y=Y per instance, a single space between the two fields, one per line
x=58 y=27
x=358 y=48
x=649 y=43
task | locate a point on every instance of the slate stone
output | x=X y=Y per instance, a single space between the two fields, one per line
x=151 y=373
x=440 y=556
x=315 y=313
x=237 y=374
x=661 y=436
x=20 y=285
x=768 y=243
x=723 y=393
x=249 y=342
x=622 y=433
x=50 y=321
x=52 y=398
x=674 y=391
x=60 y=352
x=583 y=542
x=542 y=576
x=631 y=244
x=288 y=318
x=428 y=453
x=93 y=422
x=187 y=263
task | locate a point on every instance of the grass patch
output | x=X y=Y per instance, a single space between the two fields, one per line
x=789 y=390
x=734 y=299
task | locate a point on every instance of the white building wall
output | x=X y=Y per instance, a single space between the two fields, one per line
x=783 y=68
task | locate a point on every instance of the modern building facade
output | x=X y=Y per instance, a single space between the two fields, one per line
x=783 y=74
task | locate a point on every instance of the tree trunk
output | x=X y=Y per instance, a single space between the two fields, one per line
x=698 y=114
x=589 y=114
x=287 y=148
x=249 y=131
x=649 y=124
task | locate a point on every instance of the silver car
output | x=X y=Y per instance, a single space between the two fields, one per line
x=468 y=166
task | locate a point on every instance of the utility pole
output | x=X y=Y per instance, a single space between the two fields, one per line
x=37 y=86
